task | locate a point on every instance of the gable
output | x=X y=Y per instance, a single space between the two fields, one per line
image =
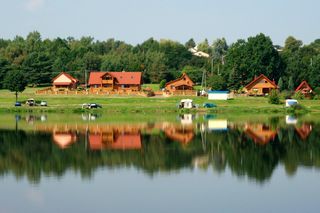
x=62 y=79
x=183 y=80
x=261 y=82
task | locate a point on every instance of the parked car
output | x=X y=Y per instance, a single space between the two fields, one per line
x=187 y=104
x=91 y=106
x=30 y=102
x=17 y=104
x=43 y=103
x=209 y=105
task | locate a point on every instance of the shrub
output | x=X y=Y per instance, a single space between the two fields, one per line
x=316 y=97
x=162 y=84
x=298 y=95
x=274 y=97
x=285 y=94
x=317 y=90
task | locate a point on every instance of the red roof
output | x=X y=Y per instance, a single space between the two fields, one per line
x=258 y=79
x=133 y=78
x=303 y=85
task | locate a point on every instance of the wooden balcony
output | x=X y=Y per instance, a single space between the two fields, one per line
x=107 y=81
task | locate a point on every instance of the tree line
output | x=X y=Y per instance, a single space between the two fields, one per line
x=228 y=67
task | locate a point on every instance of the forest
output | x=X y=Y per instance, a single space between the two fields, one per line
x=229 y=66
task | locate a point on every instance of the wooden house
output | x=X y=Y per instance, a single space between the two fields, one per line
x=304 y=88
x=114 y=81
x=64 y=81
x=180 y=84
x=260 y=86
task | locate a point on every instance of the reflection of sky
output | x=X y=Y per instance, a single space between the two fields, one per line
x=128 y=190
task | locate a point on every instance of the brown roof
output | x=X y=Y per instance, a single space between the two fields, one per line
x=258 y=79
x=74 y=80
x=178 y=79
x=133 y=78
x=303 y=83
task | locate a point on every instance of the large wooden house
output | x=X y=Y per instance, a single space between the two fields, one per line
x=180 y=84
x=304 y=88
x=64 y=81
x=114 y=81
x=260 y=86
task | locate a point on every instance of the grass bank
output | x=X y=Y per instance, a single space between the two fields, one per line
x=136 y=104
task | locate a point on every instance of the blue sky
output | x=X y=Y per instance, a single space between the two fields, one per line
x=137 y=20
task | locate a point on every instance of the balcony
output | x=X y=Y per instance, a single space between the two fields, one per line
x=107 y=81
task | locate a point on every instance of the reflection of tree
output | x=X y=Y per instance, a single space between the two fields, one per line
x=34 y=154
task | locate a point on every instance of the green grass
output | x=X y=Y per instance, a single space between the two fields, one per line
x=137 y=104
x=154 y=87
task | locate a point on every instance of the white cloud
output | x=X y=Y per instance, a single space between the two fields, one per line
x=33 y=5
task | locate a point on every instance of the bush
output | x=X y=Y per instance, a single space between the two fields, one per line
x=317 y=90
x=316 y=97
x=162 y=84
x=274 y=97
x=298 y=95
x=285 y=94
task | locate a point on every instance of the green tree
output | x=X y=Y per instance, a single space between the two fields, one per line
x=280 y=84
x=15 y=81
x=274 y=97
x=216 y=82
x=291 y=84
x=219 y=49
x=204 y=46
x=247 y=59
x=190 y=43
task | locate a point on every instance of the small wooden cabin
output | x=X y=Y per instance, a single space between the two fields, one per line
x=304 y=88
x=114 y=81
x=64 y=81
x=260 y=86
x=180 y=84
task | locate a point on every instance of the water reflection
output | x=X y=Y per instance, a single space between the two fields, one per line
x=38 y=146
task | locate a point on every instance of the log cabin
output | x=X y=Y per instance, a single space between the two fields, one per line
x=114 y=81
x=305 y=89
x=180 y=84
x=64 y=81
x=260 y=86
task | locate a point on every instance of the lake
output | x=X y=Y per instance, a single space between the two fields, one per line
x=95 y=162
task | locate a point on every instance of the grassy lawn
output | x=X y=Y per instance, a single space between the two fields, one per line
x=59 y=103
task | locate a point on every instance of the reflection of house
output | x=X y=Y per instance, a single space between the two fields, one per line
x=260 y=133
x=111 y=81
x=260 y=86
x=180 y=84
x=304 y=131
x=181 y=134
x=64 y=138
x=114 y=140
x=304 y=88
x=64 y=81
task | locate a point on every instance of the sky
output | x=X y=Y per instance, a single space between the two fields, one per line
x=134 y=21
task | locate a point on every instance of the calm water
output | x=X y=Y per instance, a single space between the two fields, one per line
x=187 y=163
